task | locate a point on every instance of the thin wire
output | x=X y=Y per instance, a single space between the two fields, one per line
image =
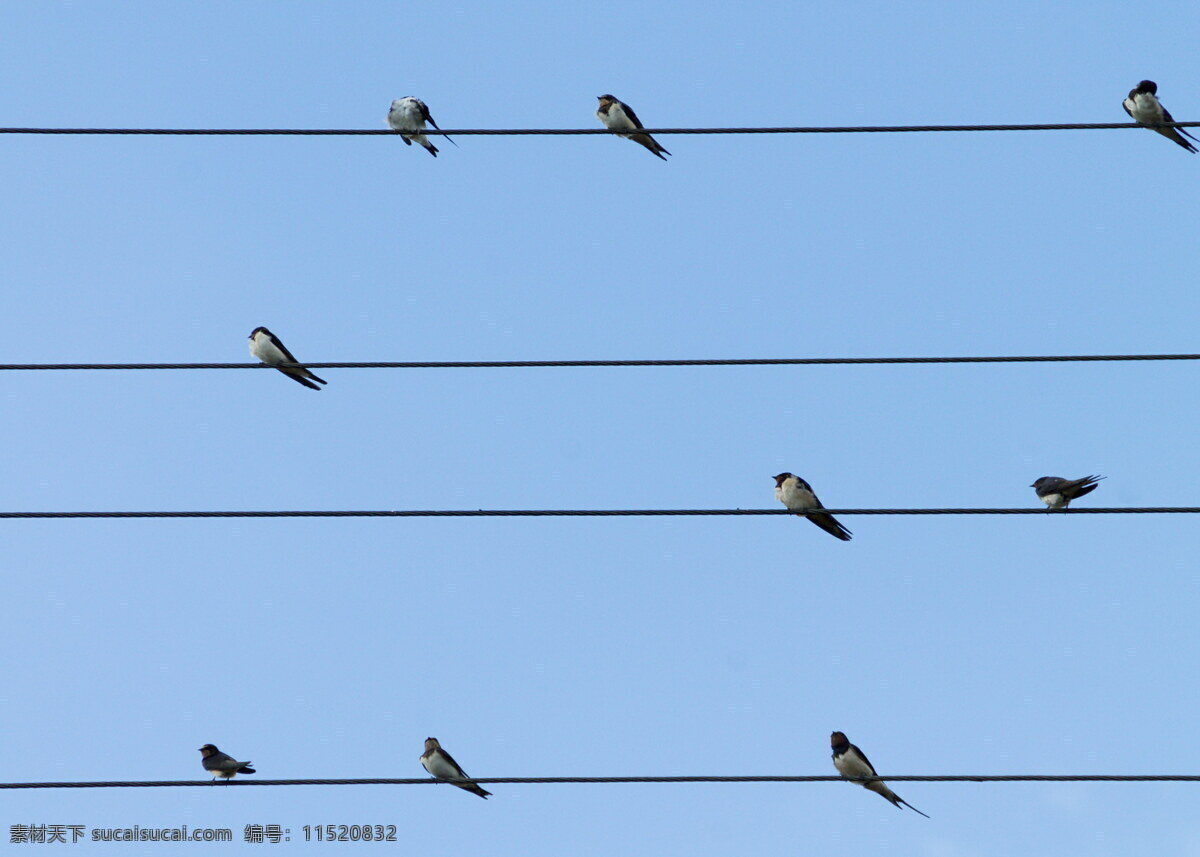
x=425 y=781
x=538 y=364
x=604 y=513
x=527 y=132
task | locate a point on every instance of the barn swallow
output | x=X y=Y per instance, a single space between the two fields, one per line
x=222 y=764
x=798 y=496
x=410 y=114
x=1057 y=493
x=442 y=765
x=852 y=762
x=266 y=347
x=1143 y=105
x=619 y=116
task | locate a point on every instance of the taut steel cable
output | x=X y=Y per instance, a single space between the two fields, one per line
x=550 y=364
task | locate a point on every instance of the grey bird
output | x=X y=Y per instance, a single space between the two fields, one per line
x=619 y=116
x=441 y=764
x=1143 y=106
x=408 y=115
x=853 y=762
x=222 y=764
x=798 y=496
x=1057 y=493
x=268 y=348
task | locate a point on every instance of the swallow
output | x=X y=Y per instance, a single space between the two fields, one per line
x=410 y=114
x=222 y=764
x=266 y=347
x=1057 y=493
x=442 y=765
x=1143 y=106
x=798 y=496
x=852 y=762
x=619 y=116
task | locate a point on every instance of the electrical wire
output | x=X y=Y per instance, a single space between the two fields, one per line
x=603 y=513
x=821 y=778
x=559 y=132
x=540 y=364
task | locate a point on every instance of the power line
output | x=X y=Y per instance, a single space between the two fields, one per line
x=561 y=132
x=538 y=364
x=603 y=513
x=821 y=778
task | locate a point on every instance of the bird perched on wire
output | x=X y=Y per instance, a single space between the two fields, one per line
x=798 y=496
x=619 y=116
x=1143 y=105
x=852 y=762
x=268 y=348
x=1057 y=493
x=222 y=764
x=442 y=765
x=408 y=115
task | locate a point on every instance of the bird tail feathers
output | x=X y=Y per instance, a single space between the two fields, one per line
x=910 y=806
x=474 y=788
x=895 y=799
x=302 y=379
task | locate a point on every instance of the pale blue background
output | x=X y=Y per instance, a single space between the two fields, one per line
x=332 y=648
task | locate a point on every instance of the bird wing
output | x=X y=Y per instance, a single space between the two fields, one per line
x=1167 y=117
x=450 y=761
x=866 y=761
x=283 y=349
x=632 y=116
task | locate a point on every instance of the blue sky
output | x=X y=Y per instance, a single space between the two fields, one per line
x=560 y=647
